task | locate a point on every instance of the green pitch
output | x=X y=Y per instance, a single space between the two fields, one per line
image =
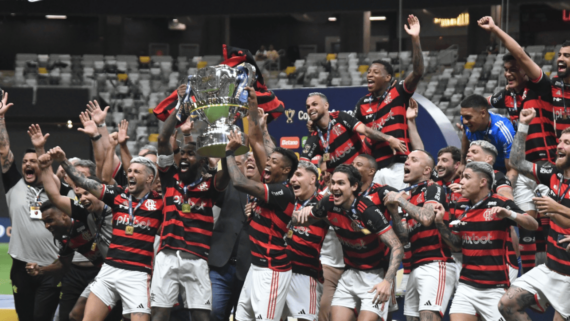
x=5 y=266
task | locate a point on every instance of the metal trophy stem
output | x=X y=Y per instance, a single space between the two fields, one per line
x=217 y=99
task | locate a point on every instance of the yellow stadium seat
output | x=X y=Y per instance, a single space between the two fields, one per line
x=42 y=70
x=144 y=59
x=122 y=77
x=549 y=55
x=331 y=56
x=290 y=70
x=152 y=138
x=201 y=64
x=469 y=65
x=363 y=68
x=548 y=73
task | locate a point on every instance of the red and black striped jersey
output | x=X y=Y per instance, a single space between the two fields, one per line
x=304 y=246
x=450 y=196
x=511 y=254
x=190 y=232
x=427 y=244
x=500 y=181
x=388 y=115
x=361 y=251
x=541 y=140
x=268 y=228
x=345 y=143
x=484 y=245
x=542 y=232
x=558 y=259
x=135 y=251
x=81 y=239
x=558 y=97
x=407 y=260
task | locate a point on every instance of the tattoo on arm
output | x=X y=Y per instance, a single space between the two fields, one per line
x=376 y=135
x=6 y=155
x=396 y=254
x=451 y=239
x=242 y=183
x=400 y=227
x=92 y=186
x=424 y=215
x=517 y=157
x=418 y=62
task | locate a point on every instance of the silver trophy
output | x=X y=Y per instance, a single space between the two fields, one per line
x=215 y=100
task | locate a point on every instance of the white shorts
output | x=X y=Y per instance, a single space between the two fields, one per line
x=523 y=193
x=263 y=294
x=475 y=301
x=132 y=287
x=513 y=274
x=458 y=257
x=175 y=272
x=392 y=175
x=429 y=288
x=86 y=291
x=303 y=298
x=352 y=291
x=548 y=288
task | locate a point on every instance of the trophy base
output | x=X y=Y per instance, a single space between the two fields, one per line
x=219 y=150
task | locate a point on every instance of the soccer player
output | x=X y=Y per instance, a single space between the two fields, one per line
x=432 y=276
x=546 y=283
x=480 y=232
x=360 y=226
x=265 y=288
x=181 y=263
x=137 y=214
x=337 y=135
x=304 y=245
x=384 y=109
x=480 y=124
x=528 y=87
x=448 y=163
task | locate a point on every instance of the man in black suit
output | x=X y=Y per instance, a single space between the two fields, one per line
x=230 y=255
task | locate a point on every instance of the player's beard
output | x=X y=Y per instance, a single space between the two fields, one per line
x=190 y=176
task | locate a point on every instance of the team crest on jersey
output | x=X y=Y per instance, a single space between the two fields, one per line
x=488 y=215
x=86 y=235
x=257 y=212
x=337 y=130
x=150 y=205
x=388 y=99
x=203 y=186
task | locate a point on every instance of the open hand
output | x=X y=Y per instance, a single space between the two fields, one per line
x=251 y=99
x=187 y=126
x=412 y=111
x=302 y=216
x=262 y=119
x=383 y=292
x=122 y=135
x=414 y=28
x=5 y=106
x=235 y=140
x=96 y=113
x=35 y=133
x=89 y=126
x=397 y=145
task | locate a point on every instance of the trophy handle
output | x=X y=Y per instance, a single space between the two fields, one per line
x=247 y=78
x=183 y=112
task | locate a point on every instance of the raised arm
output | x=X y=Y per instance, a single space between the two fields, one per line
x=241 y=183
x=186 y=129
x=51 y=186
x=122 y=139
x=517 y=158
x=101 y=145
x=6 y=155
x=108 y=165
x=90 y=185
x=451 y=239
x=411 y=114
x=412 y=80
x=164 y=147
x=255 y=133
x=267 y=141
x=424 y=214
x=532 y=70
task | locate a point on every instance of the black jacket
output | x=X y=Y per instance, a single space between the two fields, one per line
x=231 y=227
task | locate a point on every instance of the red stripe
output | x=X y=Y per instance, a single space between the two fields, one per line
x=148 y=290
x=131 y=250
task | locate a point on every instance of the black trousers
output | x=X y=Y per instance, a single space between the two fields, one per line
x=72 y=285
x=35 y=297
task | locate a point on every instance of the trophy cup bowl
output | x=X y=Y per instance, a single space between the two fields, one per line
x=219 y=101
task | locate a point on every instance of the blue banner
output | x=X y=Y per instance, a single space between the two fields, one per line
x=5 y=229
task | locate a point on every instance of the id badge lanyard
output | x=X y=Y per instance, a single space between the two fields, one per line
x=468 y=208
x=561 y=196
x=326 y=155
x=354 y=216
x=186 y=206
x=289 y=229
x=129 y=230
x=35 y=205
